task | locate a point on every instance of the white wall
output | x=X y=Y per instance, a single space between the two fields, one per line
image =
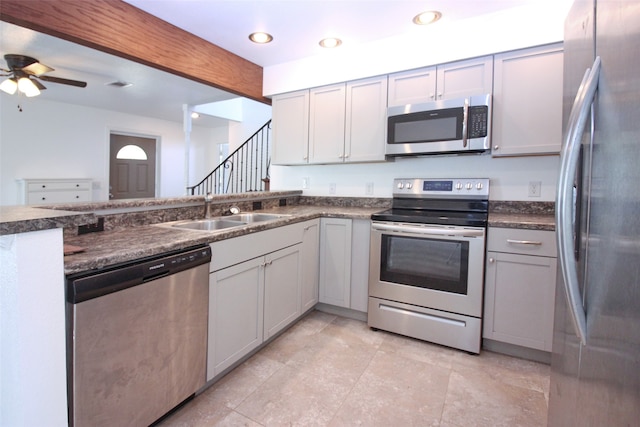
x=33 y=382
x=509 y=176
x=56 y=140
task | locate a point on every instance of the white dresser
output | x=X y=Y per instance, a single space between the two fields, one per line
x=58 y=190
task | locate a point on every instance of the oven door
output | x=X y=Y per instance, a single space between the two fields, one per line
x=433 y=266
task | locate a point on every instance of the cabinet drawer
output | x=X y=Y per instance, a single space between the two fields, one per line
x=517 y=241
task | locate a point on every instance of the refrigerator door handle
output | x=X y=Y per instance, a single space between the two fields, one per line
x=564 y=197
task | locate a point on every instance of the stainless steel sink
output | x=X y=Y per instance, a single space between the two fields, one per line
x=254 y=217
x=223 y=223
x=209 y=224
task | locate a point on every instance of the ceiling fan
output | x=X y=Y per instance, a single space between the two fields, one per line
x=24 y=74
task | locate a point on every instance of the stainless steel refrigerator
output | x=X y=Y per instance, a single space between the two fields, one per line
x=595 y=367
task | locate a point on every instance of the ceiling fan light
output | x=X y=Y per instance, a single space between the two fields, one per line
x=9 y=86
x=26 y=86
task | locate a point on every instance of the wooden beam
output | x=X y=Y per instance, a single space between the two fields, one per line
x=118 y=28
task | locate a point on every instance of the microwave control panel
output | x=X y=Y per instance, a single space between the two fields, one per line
x=478 y=121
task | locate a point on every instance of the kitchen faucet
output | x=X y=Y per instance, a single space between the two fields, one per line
x=207 y=205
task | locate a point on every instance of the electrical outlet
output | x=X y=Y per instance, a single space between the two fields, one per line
x=332 y=188
x=368 y=189
x=305 y=183
x=534 y=188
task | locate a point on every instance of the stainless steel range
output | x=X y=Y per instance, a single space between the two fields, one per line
x=426 y=276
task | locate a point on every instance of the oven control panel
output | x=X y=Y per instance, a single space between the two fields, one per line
x=470 y=188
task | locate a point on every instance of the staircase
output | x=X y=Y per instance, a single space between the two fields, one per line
x=244 y=170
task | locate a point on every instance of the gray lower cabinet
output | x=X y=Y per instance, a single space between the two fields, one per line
x=520 y=280
x=344 y=262
x=335 y=261
x=255 y=290
x=236 y=301
x=310 y=265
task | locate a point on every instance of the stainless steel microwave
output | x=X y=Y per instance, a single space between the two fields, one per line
x=460 y=125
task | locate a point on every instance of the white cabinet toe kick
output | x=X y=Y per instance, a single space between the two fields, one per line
x=440 y=327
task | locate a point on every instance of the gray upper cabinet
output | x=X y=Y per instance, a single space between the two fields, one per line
x=527 y=102
x=339 y=123
x=291 y=128
x=326 y=124
x=453 y=80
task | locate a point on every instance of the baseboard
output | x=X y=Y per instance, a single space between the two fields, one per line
x=517 y=351
x=342 y=311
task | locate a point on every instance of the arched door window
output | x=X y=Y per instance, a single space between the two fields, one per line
x=131 y=152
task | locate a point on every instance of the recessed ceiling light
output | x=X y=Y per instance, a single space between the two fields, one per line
x=330 y=42
x=260 y=38
x=426 y=18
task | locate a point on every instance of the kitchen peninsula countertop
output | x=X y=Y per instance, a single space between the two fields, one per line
x=23 y=219
x=113 y=247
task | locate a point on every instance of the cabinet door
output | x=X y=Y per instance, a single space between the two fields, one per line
x=326 y=124
x=360 y=246
x=282 y=280
x=527 y=102
x=412 y=87
x=310 y=265
x=236 y=297
x=519 y=299
x=465 y=78
x=290 y=128
x=366 y=120
x=335 y=261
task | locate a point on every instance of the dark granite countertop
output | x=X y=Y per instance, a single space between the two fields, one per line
x=523 y=215
x=113 y=247
x=23 y=219
x=522 y=221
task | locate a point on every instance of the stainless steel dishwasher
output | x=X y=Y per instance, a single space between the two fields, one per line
x=137 y=338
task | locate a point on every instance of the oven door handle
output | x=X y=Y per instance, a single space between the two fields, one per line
x=429 y=231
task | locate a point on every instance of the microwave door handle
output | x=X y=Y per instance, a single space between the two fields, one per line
x=465 y=118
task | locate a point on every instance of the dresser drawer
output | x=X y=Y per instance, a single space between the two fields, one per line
x=39 y=197
x=517 y=241
x=58 y=186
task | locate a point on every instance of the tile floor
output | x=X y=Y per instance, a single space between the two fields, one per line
x=333 y=371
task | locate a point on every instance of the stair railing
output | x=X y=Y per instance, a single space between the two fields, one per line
x=244 y=170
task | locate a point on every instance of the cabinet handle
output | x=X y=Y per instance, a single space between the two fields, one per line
x=492 y=260
x=495 y=147
x=525 y=242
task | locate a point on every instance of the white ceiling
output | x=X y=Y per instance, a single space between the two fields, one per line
x=297 y=26
x=154 y=93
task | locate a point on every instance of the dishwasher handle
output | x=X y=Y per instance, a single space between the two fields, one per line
x=89 y=285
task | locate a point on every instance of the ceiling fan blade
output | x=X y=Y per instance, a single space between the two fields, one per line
x=39 y=85
x=52 y=79
x=36 y=69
